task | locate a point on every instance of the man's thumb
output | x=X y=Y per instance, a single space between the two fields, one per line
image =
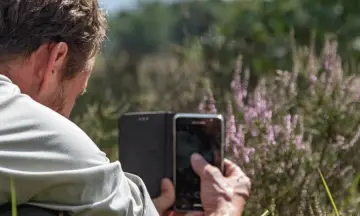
x=198 y=164
x=167 y=197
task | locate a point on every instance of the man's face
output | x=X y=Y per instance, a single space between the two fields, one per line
x=42 y=78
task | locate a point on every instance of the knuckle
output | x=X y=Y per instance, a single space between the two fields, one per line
x=225 y=194
x=208 y=175
x=249 y=185
x=239 y=171
x=210 y=172
x=243 y=183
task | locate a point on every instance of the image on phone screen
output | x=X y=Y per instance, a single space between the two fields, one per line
x=202 y=135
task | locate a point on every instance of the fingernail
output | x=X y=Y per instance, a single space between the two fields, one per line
x=196 y=156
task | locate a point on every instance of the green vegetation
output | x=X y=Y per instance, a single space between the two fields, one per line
x=294 y=90
x=329 y=194
x=13 y=197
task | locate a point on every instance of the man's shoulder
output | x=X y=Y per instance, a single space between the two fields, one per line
x=29 y=126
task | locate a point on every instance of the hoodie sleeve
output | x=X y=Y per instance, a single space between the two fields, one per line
x=55 y=165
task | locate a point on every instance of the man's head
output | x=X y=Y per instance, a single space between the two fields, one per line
x=48 y=47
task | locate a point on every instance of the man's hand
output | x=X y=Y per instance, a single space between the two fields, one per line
x=167 y=197
x=221 y=195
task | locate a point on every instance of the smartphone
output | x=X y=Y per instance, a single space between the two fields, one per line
x=200 y=133
x=145 y=147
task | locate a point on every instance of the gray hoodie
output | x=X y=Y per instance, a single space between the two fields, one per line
x=55 y=165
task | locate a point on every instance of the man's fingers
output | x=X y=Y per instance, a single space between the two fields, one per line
x=198 y=164
x=202 y=168
x=173 y=213
x=232 y=169
x=195 y=214
x=167 y=197
x=243 y=182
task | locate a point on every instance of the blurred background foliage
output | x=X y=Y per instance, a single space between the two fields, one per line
x=162 y=56
x=167 y=56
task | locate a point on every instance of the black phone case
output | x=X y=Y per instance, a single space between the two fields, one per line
x=145 y=147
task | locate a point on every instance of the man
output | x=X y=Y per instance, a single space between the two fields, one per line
x=47 y=50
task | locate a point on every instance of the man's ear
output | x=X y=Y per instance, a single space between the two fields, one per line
x=57 y=58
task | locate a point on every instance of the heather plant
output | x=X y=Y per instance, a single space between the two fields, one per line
x=99 y=120
x=291 y=127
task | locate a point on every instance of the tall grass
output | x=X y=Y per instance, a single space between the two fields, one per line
x=13 y=197
x=329 y=193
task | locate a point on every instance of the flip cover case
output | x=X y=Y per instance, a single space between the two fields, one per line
x=145 y=147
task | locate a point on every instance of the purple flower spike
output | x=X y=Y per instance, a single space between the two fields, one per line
x=208 y=104
x=245 y=84
x=294 y=121
x=212 y=105
x=270 y=135
x=299 y=142
x=202 y=105
x=230 y=127
x=239 y=89
x=276 y=129
x=330 y=56
x=240 y=136
x=288 y=125
x=313 y=79
x=249 y=115
x=235 y=151
x=247 y=152
x=254 y=132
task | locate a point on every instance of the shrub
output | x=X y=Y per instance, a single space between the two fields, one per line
x=290 y=126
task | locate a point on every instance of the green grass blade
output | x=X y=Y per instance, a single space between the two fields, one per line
x=13 y=197
x=329 y=193
x=353 y=192
x=266 y=213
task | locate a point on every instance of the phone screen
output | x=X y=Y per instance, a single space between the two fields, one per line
x=200 y=135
